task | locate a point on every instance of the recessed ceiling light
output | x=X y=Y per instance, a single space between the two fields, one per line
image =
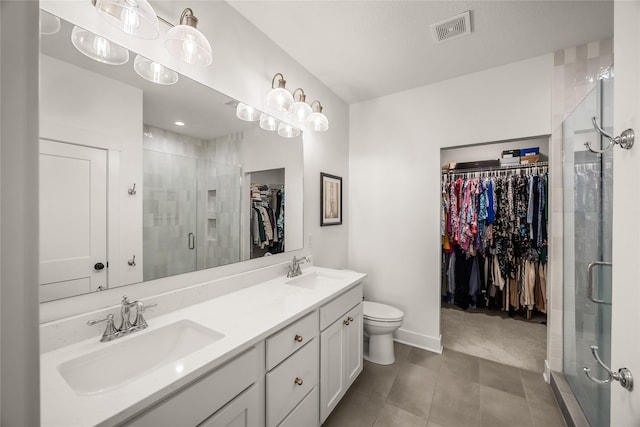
x=178 y=123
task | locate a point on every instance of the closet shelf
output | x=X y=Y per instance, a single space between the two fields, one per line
x=496 y=168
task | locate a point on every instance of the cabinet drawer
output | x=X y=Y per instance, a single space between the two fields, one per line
x=306 y=413
x=283 y=394
x=288 y=340
x=205 y=396
x=340 y=305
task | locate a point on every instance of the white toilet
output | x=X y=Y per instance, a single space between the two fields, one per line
x=380 y=321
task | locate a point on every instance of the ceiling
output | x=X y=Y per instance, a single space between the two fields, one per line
x=366 y=49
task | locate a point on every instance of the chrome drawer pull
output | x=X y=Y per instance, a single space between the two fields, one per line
x=298 y=381
x=298 y=338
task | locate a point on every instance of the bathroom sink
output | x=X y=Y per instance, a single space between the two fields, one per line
x=136 y=356
x=314 y=280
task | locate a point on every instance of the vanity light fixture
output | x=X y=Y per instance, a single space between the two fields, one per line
x=287 y=131
x=178 y=123
x=154 y=72
x=247 y=113
x=317 y=121
x=300 y=110
x=279 y=98
x=187 y=43
x=134 y=17
x=98 y=48
x=267 y=122
x=49 y=24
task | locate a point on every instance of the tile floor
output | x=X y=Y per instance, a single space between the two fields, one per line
x=450 y=389
x=495 y=336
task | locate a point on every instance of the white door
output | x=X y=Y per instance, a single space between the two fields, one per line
x=625 y=314
x=73 y=220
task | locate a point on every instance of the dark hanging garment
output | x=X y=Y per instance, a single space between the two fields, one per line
x=463 y=274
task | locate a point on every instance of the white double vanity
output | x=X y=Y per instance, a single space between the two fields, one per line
x=279 y=353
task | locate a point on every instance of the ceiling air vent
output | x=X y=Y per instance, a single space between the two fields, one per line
x=452 y=28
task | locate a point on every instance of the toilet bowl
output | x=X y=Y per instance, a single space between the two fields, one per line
x=380 y=321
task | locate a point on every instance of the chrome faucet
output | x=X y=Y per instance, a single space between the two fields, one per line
x=126 y=327
x=294 y=268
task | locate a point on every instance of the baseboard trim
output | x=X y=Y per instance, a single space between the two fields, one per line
x=547 y=372
x=415 y=339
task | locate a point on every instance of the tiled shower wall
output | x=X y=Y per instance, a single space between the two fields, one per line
x=204 y=199
x=575 y=74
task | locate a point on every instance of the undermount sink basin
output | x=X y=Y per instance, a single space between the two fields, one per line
x=314 y=280
x=136 y=356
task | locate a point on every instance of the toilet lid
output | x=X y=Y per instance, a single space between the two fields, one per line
x=381 y=312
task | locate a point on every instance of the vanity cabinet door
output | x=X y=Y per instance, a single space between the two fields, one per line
x=205 y=396
x=332 y=386
x=240 y=412
x=353 y=345
x=340 y=358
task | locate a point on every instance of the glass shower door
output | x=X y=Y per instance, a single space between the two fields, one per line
x=588 y=191
x=169 y=209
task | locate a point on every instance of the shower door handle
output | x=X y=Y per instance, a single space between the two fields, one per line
x=192 y=241
x=590 y=281
x=623 y=376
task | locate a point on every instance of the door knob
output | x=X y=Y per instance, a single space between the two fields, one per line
x=98 y=266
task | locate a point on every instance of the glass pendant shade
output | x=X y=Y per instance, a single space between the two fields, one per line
x=287 y=131
x=154 y=72
x=247 y=113
x=134 y=17
x=267 y=122
x=318 y=122
x=188 y=44
x=279 y=99
x=299 y=112
x=49 y=24
x=98 y=48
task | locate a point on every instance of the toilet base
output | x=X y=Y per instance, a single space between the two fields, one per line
x=381 y=349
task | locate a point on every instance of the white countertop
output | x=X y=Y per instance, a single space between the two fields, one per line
x=245 y=317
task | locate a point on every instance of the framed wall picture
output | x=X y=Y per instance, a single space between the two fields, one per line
x=330 y=199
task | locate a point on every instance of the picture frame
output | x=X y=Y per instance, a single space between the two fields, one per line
x=330 y=199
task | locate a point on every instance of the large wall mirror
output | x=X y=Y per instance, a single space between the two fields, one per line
x=140 y=181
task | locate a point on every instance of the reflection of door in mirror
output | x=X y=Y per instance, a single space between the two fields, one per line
x=267 y=212
x=73 y=220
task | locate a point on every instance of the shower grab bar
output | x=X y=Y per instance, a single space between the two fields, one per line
x=590 y=281
x=625 y=139
x=623 y=375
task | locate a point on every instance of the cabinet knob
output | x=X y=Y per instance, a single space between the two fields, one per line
x=346 y=322
x=350 y=319
x=298 y=338
x=298 y=381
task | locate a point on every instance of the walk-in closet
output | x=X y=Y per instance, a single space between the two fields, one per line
x=494 y=259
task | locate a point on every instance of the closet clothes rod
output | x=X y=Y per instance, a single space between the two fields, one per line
x=505 y=168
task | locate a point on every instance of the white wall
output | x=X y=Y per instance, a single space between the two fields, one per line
x=81 y=107
x=244 y=64
x=394 y=164
x=20 y=385
x=625 y=316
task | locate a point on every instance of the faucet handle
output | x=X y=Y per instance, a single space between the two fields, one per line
x=110 y=332
x=140 y=322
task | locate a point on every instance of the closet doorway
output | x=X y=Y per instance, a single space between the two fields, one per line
x=494 y=205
